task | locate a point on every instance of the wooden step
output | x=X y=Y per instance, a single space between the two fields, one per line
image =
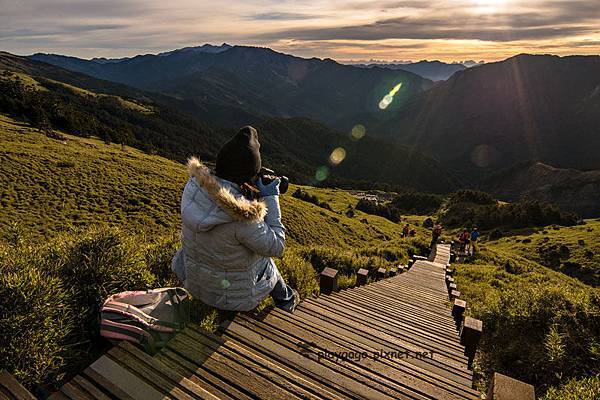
x=126 y=372
x=11 y=389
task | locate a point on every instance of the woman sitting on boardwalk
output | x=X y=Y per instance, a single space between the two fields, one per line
x=231 y=226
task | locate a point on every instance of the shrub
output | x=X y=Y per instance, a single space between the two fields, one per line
x=521 y=214
x=305 y=196
x=51 y=294
x=298 y=272
x=541 y=333
x=471 y=196
x=382 y=210
x=496 y=234
x=35 y=320
x=417 y=203
x=576 y=389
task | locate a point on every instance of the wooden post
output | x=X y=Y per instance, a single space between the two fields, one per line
x=449 y=280
x=451 y=287
x=458 y=310
x=455 y=294
x=328 y=281
x=362 y=277
x=382 y=273
x=410 y=263
x=393 y=271
x=506 y=388
x=452 y=256
x=470 y=335
x=449 y=271
x=401 y=268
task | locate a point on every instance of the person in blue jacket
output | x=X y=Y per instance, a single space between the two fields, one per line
x=474 y=237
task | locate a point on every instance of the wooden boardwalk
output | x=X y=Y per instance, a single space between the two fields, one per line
x=391 y=339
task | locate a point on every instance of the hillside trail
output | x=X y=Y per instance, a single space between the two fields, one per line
x=394 y=338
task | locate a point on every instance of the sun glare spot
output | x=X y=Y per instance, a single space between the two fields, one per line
x=322 y=174
x=358 y=132
x=337 y=156
x=388 y=98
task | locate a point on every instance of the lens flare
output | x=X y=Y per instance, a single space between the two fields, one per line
x=358 y=132
x=388 y=98
x=337 y=156
x=322 y=173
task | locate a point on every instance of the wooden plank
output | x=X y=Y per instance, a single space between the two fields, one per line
x=377 y=339
x=419 y=337
x=133 y=386
x=199 y=376
x=274 y=372
x=12 y=387
x=356 y=371
x=90 y=388
x=154 y=379
x=74 y=392
x=101 y=382
x=420 y=319
x=229 y=370
x=181 y=381
x=342 y=381
x=56 y=396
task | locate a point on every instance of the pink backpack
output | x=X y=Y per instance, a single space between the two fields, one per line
x=146 y=318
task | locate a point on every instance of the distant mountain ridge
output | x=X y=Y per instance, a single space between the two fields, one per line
x=433 y=70
x=258 y=81
x=541 y=108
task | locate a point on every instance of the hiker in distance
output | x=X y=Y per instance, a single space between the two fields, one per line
x=231 y=227
x=435 y=235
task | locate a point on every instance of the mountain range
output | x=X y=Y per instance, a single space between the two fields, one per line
x=257 y=81
x=432 y=70
x=526 y=110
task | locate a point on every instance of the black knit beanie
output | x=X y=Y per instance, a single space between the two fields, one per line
x=239 y=158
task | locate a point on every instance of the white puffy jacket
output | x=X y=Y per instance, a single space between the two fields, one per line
x=227 y=242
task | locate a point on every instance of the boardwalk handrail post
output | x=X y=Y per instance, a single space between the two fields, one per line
x=507 y=388
x=382 y=273
x=458 y=310
x=362 y=277
x=328 y=280
x=470 y=335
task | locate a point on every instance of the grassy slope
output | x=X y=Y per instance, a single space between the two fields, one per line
x=49 y=186
x=540 y=324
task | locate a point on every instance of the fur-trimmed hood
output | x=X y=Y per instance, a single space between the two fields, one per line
x=222 y=194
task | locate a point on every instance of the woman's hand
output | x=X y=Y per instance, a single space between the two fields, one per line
x=272 y=189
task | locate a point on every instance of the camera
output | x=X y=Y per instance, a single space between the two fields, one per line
x=268 y=175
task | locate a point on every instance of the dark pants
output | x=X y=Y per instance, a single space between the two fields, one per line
x=282 y=294
x=434 y=241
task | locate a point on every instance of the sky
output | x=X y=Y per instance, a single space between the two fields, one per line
x=345 y=30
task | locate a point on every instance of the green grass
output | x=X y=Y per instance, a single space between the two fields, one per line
x=582 y=389
x=541 y=325
x=580 y=255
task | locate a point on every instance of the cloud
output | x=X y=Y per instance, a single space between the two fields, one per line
x=460 y=24
x=281 y=16
x=392 y=29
